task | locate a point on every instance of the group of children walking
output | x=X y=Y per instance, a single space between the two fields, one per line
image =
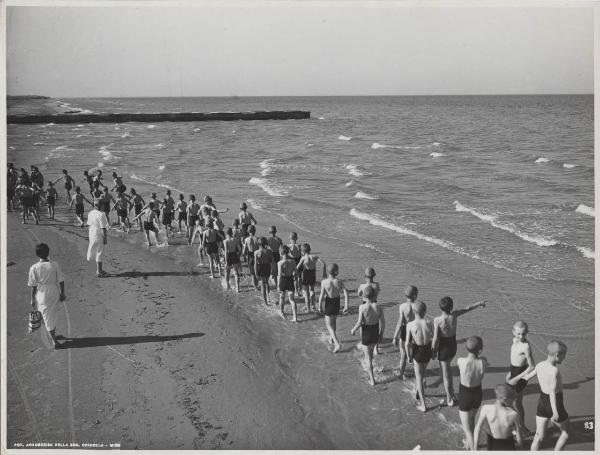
x=293 y=269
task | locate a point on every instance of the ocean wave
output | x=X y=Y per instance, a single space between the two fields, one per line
x=151 y=127
x=361 y=195
x=308 y=144
x=150 y=182
x=46 y=125
x=350 y=183
x=161 y=145
x=196 y=130
x=80 y=126
x=38 y=143
x=161 y=168
x=107 y=155
x=542 y=160
x=267 y=187
x=589 y=211
x=437 y=154
x=321 y=118
x=569 y=166
x=538 y=240
x=254 y=204
x=353 y=170
x=377 y=145
x=377 y=221
x=344 y=138
x=82 y=135
x=586 y=252
x=100 y=165
x=124 y=135
x=266 y=166
x=61 y=148
x=435 y=144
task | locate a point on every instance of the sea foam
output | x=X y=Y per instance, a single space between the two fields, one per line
x=267 y=187
x=437 y=154
x=586 y=252
x=542 y=160
x=151 y=127
x=344 y=138
x=361 y=195
x=538 y=240
x=569 y=166
x=582 y=208
x=353 y=170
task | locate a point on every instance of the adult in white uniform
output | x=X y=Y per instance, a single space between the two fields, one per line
x=47 y=289
x=98 y=224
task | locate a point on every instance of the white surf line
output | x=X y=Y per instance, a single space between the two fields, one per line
x=30 y=413
x=69 y=361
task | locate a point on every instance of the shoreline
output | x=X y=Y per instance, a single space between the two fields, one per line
x=247 y=354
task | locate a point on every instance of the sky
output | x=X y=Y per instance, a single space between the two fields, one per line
x=298 y=50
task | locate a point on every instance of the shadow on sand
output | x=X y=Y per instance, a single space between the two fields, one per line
x=145 y=275
x=90 y=342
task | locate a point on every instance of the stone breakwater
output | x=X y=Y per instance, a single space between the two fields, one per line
x=158 y=117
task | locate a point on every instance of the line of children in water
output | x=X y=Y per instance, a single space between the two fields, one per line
x=293 y=269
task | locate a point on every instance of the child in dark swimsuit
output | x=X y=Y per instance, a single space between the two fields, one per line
x=138 y=205
x=372 y=324
x=250 y=246
x=418 y=347
x=51 y=197
x=331 y=288
x=274 y=244
x=286 y=275
x=308 y=265
x=296 y=254
x=181 y=208
x=502 y=421
x=262 y=266
x=406 y=315
x=444 y=341
x=149 y=222
x=369 y=276
x=193 y=213
x=78 y=199
x=197 y=231
x=521 y=364
x=472 y=368
x=210 y=239
x=233 y=249
x=69 y=183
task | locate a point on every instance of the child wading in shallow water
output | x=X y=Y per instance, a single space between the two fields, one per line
x=418 y=347
x=502 y=421
x=262 y=267
x=369 y=275
x=296 y=254
x=286 y=275
x=331 y=288
x=444 y=340
x=372 y=324
x=197 y=230
x=308 y=266
x=51 y=197
x=78 y=199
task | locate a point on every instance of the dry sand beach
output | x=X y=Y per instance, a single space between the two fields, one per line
x=160 y=357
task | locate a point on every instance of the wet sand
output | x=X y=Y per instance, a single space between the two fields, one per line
x=161 y=357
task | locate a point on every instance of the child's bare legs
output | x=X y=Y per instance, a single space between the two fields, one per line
x=447 y=378
x=80 y=219
x=227 y=276
x=236 y=274
x=521 y=411
x=330 y=323
x=467 y=418
x=403 y=357
x=294 y=306
x=201 y=255
x=211 y=265
x=69 y=196
x=264 y=288
x=419 y=375
x=282 y=303
x=306 y=298
x=148 y=237
x=564 y=434
x=368 y=350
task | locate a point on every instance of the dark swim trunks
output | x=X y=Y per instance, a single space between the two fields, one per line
x=544 y=409
x=500 y=444
x=149 y=226
x=469 y=397
x=27 y=202
x=447 y=348
x=50 y=200
x=276 y=256
x=369 y=334
x=286 y=283
x=79 y=209
x=167 y=218
x=122 y=213
x=250 y=260
x=233 y=258
x=182 y=216
x=332 y=306
x=422 y=353
x=68 y=186
x=516 y=371
x=138 y=209
x=211 y=247
x=309 y=277
x=403 y=332
x=193 y=219
x=264 y=270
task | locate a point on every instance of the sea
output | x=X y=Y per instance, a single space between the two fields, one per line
x=495 y=193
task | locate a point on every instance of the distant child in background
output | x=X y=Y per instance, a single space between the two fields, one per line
x=233 y=250
x=472 y=368
x=87 y=178
x=372 y=324
x=193 y=213
x=181 y=208
x=296 y=254
x=418 y=346
x=25 y=193
x=444 y=341
x=105 y=200
x=138 y=204
x=521 y=364
x=369 y=275
x=331 y=288
x=308 y=265
x=51 y=197
x=119 y=185
x=502 y=421
x=78 y=199
x=167 y=217
x=150 y=222
x=262 y=267
x=550 y=408
x=210 y=239
x=286 y=276
x=406 y=315
x=197 y=230
x=237 y=230
x=69 y=183
x=245 y=217
x=251 y=245
x=274 y=244
x=122 y=207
